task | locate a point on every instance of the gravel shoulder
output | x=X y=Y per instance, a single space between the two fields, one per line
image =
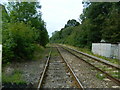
x=30 y=70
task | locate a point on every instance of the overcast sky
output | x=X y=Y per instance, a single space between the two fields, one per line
x=56 y=13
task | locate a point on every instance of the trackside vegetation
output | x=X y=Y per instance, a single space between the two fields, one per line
x=99 y=21
x=15 y=78
x=22 y=30
x=88 y=51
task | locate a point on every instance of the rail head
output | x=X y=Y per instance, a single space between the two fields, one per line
x=72 y=72
x=95 y=58
x=44 y=71
x=117 y=81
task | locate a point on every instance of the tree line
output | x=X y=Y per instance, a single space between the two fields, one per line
x=99 y=21
x=22 y=30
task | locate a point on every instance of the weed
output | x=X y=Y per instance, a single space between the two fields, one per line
x=100 y=76
x=55 y=52
x=39 y=51
x=16 y=77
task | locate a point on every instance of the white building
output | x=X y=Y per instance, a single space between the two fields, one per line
x=107 y=50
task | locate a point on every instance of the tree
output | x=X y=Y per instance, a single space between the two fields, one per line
x=18 y=42
x=110 y=31
x=24 y=11
x=72 y=23
x=22 y=31
x=98 y=21
x=27 y=12
x=93 y=19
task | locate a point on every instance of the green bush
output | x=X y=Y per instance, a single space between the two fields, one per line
x=18 y=42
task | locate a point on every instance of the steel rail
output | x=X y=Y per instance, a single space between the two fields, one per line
x=107 y=75
x=94 y=58
x=44 y=71
x=72 y=72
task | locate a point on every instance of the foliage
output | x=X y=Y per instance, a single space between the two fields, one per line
x=99 y=20
x=17 y=41
x=72 y=22
x=29 y=13
x=22 y=29
x=103 y=24
x=111 y=32
x=39 y=52
x=24 y=11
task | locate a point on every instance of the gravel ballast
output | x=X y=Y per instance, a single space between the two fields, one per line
x=57 y=74
x=86 y=73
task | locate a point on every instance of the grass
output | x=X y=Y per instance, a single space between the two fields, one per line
x=111 y=72
x=16 y=77
x=39 y=51
x=115 y=74
x=115 y=61
x=48 y=45
x=55 y=52
x=100 y=76
x=88 y=51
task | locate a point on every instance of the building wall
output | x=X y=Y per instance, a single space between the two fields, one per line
x=106 y=49
x=114 y=50
x=119 y=51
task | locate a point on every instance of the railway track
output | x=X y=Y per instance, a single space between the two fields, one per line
x=58 y=73
x=111 y=71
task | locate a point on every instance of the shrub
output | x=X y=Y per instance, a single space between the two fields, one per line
x=18 y=39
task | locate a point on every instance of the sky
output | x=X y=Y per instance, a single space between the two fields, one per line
x=56 y=13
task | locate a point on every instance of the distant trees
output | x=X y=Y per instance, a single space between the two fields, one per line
x=72 y=23
x=99 y=20
x=22 y=29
